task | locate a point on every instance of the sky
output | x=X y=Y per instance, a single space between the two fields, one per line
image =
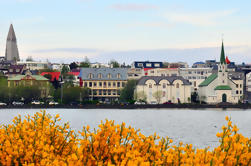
x=128 y=30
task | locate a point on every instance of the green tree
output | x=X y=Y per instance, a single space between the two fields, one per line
x=3 y=90
x=85 y=63
x=158 y=95
x=127 y=93
x=73 y=65
x=140 y=96
x=114 y=64
x=28 y=93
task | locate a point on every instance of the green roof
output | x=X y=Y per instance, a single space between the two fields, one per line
x=36 y=77
x=223 y=87
x=222 y=56
x=209 y=79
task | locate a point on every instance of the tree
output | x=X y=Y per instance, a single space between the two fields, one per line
x=114 y=64
x=140 y=96
x=64 y=71
x=85 y=63
x=158 y=95
x=55 y=83
x=73 y=65
x=127 y=93
x=3 y=90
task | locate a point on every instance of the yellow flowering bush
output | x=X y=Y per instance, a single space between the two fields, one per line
x=40 y=140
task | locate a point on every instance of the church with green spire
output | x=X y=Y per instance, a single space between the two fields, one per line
x=219 y=87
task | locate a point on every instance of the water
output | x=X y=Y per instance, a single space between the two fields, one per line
x=197 y=127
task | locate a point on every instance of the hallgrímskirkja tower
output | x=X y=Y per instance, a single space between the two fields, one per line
x=11 y=52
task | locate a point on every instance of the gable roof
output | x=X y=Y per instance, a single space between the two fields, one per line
x=53 y=75
x=209 y=79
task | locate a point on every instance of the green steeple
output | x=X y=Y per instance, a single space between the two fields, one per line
x=222 y=56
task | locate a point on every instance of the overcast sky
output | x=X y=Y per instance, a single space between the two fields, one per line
x=128 y=30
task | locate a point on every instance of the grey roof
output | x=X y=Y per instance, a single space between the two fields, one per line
x=84 y=73
x=157 y=79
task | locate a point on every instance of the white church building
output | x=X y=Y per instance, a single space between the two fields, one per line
x=218 y=87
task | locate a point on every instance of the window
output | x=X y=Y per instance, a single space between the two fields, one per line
x=140 y=64
x=113 y=92
x=109 y=92
x=237 y=92
x=109 y=84
x=118 y=92
x=118 y=75
x=164 y=85
x=164 y=94
x=240 y=85
x=104 y=84
x=240 y=92
x=85 y=85
x=177 y=85
x=237 y=86
x=100 y=92
x=189 y=72
x=118 y=84
x=150 y=86
x=100 y=83
x=99 y=75
x=194 y=83
x=156 y=65
x=104 y=92
x=90 y=84
x=17 y=70
x=114 y=84
x=223 y=81
x=11 y=70
x=95 y=84
x=123 y=84
x=109 y=75
x=152 y=71
x=90 y=76
x=148 y=65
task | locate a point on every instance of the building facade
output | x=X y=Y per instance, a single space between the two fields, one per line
x=219 y=87
x=147 y=64
x=31 y=65
x=195 y=75
x=105 y=84
x=161 y=89
x=29 y=80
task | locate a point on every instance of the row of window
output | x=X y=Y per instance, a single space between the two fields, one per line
x=194 y=78
x=149 y=65
x=101 y=75
x=164 y=85
x=237 y=92
x=104 y=84
x=104 y=92
x=238 y=85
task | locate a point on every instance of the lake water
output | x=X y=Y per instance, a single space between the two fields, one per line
x=197 y=127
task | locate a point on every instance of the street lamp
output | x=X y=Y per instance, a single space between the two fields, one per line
x=62 y=91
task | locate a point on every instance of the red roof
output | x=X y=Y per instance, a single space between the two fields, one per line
x=74 y=73
x=53 y=75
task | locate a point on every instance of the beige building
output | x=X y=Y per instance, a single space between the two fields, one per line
x=135 y=73
x=161 y=89
x=105 y=84
x=219 y=87
x=32 y=65
x=162 y=72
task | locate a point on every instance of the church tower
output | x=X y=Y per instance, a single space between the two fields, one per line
x=11 y=52
x=222 y=68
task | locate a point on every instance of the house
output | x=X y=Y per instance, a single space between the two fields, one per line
x=54 y=75
x=147 y=64
x=31 y=65
x=161 y=72
x=28 y=80
x=105 y=84
x=161 y=89
x=15 y=70
x=220 y=87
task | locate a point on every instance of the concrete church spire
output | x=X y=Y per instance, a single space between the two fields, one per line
x=11 y=52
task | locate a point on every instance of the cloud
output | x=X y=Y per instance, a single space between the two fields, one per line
x=66 y=50
x=133 y=7
x=199 y=19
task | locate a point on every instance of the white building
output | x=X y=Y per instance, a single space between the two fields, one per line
x=31 y=65
x=219 y=87
x=195 y=75
x=161 y=89
x=162 y=72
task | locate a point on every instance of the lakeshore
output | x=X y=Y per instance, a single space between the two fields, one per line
x=131 y=106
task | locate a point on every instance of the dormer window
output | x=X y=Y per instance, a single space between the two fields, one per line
x=118 y=75
x=90 y=76
x=99 y=75
x=109 y=75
